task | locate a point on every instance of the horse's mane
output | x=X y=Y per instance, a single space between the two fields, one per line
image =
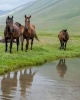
x=18 y=24
x=64 y=30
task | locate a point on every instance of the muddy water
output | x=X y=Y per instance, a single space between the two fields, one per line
x=58 y=80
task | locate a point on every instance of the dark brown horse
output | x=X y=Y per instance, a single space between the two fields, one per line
x=11 y=32
x=29 y=33
x=63 y=37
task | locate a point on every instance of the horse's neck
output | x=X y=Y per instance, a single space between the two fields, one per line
x=29 y=26
x=7 y=29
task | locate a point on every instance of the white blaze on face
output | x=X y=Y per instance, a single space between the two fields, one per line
x=27 y=20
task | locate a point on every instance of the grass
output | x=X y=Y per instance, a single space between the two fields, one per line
x=45 y=50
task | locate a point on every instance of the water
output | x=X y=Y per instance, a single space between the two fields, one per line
x=58 y=80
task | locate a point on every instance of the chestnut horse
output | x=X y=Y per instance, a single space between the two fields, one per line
x=63 y=37
x=29 y=33
x=11 y=32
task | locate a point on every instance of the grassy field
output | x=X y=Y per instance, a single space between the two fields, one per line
x=47 y=49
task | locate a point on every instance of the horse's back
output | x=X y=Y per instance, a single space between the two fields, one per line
x=16 y=32
x=15 y=27
x=63 y=35
x=21 y=27
x=33 y=26
x=33 y=31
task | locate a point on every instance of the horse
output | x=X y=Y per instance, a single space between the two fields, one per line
x=29 y=33
x=21 y=27
x=11 y=32
x=63 y=37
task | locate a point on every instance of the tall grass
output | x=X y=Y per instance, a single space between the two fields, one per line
x=47 y=49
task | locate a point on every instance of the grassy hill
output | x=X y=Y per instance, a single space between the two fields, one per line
x=49 y=15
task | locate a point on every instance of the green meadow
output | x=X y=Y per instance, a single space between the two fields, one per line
x=49 y=17
x=45 y=50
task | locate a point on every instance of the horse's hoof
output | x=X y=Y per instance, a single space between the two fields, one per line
x=5 y=50
x=21 y=49
x=26 y=50
x=65 y=49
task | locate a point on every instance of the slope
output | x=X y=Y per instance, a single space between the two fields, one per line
x=49 y=15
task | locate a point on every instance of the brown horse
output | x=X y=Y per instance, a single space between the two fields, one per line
x=21 y=27
x=29 y=33
x=11 y=32
x=63 y=37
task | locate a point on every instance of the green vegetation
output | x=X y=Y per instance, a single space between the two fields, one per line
x=49 y=17
x=45 y=50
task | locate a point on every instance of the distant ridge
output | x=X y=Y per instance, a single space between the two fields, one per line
x=4 y=12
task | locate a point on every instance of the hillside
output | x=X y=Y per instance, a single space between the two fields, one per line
x=3 y=12
x=49 y=15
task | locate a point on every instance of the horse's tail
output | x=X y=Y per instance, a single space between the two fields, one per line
x=36 y=37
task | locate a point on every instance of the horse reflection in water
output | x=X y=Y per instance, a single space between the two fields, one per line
x=26 y=79
x=61 y=67
x=8 y=85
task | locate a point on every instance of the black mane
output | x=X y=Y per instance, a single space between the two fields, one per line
x=18 y=24
x=65 y=30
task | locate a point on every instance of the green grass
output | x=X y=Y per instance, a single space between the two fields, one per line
x=45 y=50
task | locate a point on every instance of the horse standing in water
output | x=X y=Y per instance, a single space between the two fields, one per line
x=29 y=33
x=63 y=37
x=11 y=32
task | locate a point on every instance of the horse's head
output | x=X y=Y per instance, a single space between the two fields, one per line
x=65 y=30
x=9 y=23
x=27 y=22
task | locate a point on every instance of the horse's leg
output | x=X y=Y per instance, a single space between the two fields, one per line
x=11 y=44
x=31 y=43
x=17 y=40
x=22 y=44
x=65 y=46
x=22 y=41
x=60 y=44
x=6 y=45
x=27 y=43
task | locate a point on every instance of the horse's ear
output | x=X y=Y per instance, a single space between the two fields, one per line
x=25 y=16
x=8 y=17
x=12 y=17
x=30 y=16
